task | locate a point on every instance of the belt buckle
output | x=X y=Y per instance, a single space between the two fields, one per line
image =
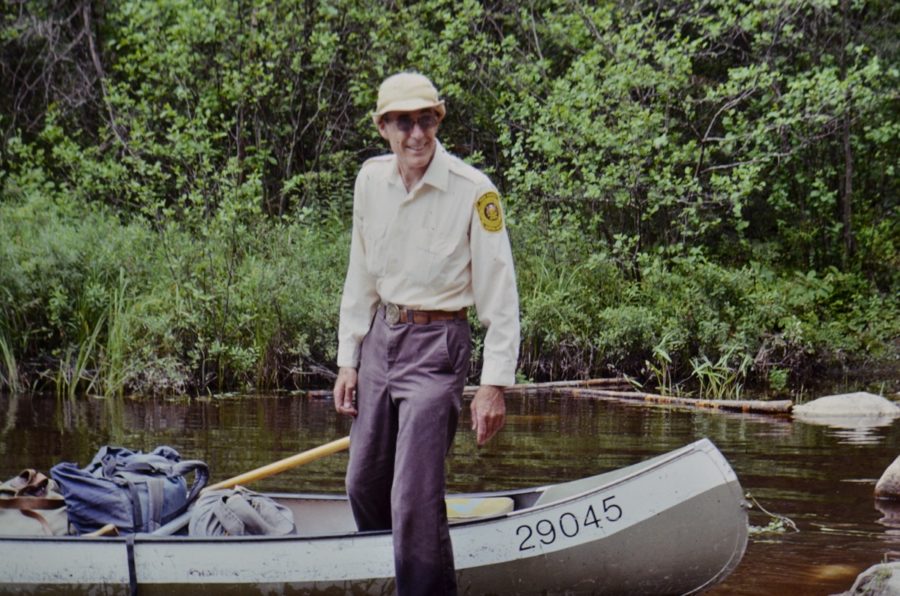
x=392 y=314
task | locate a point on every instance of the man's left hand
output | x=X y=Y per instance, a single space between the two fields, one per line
x=488 y=412
x=345 y=391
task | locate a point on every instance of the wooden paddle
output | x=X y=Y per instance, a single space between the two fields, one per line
x=279 y=466
x=302 y=458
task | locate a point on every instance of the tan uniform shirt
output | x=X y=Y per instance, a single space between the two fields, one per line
x=431 y=249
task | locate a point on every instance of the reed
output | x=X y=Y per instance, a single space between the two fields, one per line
x=661 y=367
x=9 y=368
x=72 y=373
x=115 y=369
x=721 y=379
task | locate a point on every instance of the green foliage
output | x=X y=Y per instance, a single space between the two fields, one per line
x=660 y=368
x=689 y=322
x=724 y=378
x=115 y=369
x=561 y=287
x=112 y=307
x=254 y=311
x=73 y=366
x=778 y=379
x=693 y=188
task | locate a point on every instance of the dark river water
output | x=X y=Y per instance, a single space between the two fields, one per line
x=821 y=478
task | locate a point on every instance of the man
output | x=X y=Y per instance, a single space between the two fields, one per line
x=428 y=241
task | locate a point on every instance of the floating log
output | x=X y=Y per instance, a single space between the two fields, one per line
x=765 y=407
x=469 y=390
x=616 y=382
x=319 y=393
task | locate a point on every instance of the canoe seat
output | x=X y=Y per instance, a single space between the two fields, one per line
x=463 y=508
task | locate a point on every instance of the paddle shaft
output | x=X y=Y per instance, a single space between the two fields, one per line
x=284 y=464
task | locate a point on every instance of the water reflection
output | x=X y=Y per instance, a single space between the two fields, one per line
x=10 y=413
x=847 y=421
x=851 y=429
x=890 y=515
x=857 y=436
x=820 y=477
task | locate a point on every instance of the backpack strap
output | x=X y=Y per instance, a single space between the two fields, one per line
x=156 y=497
x=156 y=489
x=30 y=492
x=40 y=519
x=145 y=467
x=108 y=460
x=25 y=503
x=238 y=517
x=201 y=477
x=137 y=517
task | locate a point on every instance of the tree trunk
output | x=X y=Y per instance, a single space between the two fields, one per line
x=847 y=187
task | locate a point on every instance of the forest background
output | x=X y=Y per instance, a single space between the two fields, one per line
x=701 y=194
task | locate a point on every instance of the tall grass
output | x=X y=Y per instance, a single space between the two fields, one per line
x=661 y=366
x=9 y=368
x=73 y=368
x=722 y=379
x=115 y=368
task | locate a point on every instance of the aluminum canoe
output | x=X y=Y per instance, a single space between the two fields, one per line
x=673 y=524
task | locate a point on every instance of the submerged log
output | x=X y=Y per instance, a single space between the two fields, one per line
x=737 y=405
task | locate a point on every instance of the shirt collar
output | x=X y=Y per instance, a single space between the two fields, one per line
x=438 y=173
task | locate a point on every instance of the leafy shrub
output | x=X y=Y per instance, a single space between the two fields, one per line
x=700 y=182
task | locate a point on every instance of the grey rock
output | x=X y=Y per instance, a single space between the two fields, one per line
x=848 y=410
x=888 y=486
x=849 y=404
x=878 y=580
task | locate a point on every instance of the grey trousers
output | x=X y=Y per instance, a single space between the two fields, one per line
x=409 y=395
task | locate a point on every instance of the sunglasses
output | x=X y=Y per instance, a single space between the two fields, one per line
x=406 y=123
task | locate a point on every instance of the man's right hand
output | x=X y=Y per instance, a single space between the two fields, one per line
x=345 y=391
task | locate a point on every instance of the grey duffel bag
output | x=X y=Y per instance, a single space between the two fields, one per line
x=239 y=512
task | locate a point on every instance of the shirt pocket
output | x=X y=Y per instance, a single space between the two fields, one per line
x=375 y=237
x=435 y=262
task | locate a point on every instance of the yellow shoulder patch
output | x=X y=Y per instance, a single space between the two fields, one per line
x=488 y=207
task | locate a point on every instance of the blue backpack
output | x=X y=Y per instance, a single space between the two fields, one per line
x=135 y=491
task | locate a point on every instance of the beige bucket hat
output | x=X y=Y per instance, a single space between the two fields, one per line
x=407 y=92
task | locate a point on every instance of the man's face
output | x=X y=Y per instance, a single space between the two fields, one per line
x=411 y=136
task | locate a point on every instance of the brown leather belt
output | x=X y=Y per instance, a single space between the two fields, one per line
x=395 y=314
